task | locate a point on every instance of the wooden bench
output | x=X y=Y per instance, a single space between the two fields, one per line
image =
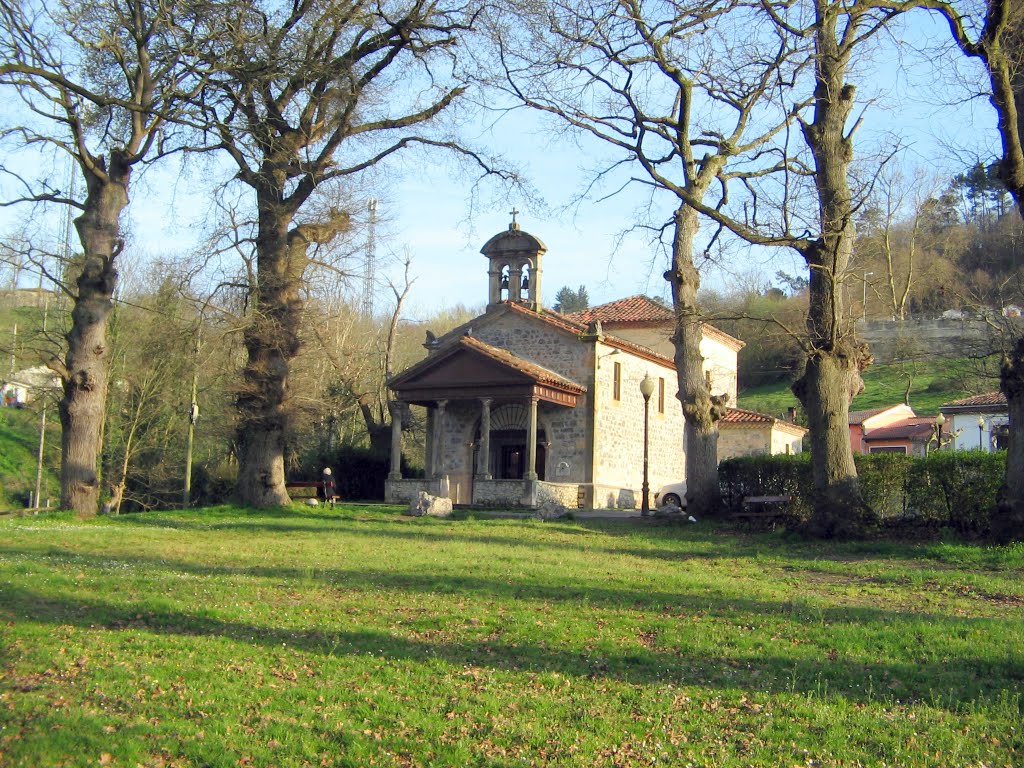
x=769 y=508
x=307 y=488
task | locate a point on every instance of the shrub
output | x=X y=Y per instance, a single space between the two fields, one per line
x=958 y=489
x=883 y=481
x=359 y=472
x=953 y=489
x=767 y=476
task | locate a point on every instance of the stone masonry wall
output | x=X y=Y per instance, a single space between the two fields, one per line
x=742 y=442
x=565 y=428
x=620 y=429
x=719 y=359
x=891 y=341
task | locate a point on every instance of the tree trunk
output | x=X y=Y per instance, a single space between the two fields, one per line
x=272 y=341
x=1008 y=524
x=701 y=409
x=830 y=381
x=835 y=360
x=86 y=364
x=1001 y=54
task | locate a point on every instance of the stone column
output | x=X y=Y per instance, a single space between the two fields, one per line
x=530 y=475
x=531 y=442
x=396 y=440
x=515 y=280
x=435 y=461
x=483 y=459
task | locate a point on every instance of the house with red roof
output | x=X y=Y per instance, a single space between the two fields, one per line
x=863 y=422
x=749 y=433
x=981 y=422
x=525 y=405
x=913 y=436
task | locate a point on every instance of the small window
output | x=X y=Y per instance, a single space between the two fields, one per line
x=617 y=382
x=707 y=377
x=661 y=395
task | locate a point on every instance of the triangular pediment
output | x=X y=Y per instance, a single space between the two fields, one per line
x=462 y=368
x=470 y=368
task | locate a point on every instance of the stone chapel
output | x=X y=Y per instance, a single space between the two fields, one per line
x=526 y=405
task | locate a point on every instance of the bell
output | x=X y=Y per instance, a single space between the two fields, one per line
x=504 y=282
x=526 y=282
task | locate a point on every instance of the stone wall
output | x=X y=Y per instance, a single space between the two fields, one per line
x=734 y=442
x=619 y=430
x=566 y=494
x=565 y=429
x=499 y=493
x=909 y=339
x=404 y=491
x=785 y=442
x=719 y=359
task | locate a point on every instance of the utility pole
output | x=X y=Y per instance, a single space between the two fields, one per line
x=371 y=257
x=193 y=416
x=864 y=302
x=39 y=457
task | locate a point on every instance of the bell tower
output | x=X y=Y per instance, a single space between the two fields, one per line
x=514 y=270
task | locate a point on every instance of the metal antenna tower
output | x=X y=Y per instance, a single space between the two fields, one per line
x=371 y=257
x=67 y=223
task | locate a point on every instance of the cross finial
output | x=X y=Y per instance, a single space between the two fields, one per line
x=514 y=224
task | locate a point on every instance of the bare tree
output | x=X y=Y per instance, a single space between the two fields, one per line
x=684 y=92
x=998 y=42
x=902 y=237
x=301 y=96
x=97 y=82
x=835 y=358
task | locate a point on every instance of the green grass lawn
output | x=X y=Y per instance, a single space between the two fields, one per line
x=357 y=637
x=933 y=382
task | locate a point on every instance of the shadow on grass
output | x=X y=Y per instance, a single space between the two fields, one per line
x=448 y=532
x=969 y=682
x=711 y=542
x=572 y=590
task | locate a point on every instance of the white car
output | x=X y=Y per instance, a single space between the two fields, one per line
x=673 y=493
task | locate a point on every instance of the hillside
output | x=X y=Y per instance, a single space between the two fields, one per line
x=19 y=445
x=932 y=383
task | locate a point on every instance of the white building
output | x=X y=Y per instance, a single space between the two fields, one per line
x=979 y=422
x=22 y=387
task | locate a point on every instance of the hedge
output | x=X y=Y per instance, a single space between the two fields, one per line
x=954 y=489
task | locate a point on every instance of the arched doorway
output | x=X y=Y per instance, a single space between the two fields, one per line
x=507 y=460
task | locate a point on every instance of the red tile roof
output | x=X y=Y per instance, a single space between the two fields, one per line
x=740 y=417
x=634 y=309
x=920 y=427
x=989 y=398
x=642 y=310
x=859 y=417
x=568 y=323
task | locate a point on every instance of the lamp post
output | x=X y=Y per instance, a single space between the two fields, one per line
x=981 y=432
x=646 y=389
x=939 y=421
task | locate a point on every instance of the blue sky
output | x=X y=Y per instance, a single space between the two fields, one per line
x=428 y=206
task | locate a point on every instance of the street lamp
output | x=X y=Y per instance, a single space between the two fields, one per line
x=646 y=389
x=981 y=431
x=939 y=421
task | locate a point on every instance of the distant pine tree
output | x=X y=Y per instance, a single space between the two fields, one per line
x=568 y=301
